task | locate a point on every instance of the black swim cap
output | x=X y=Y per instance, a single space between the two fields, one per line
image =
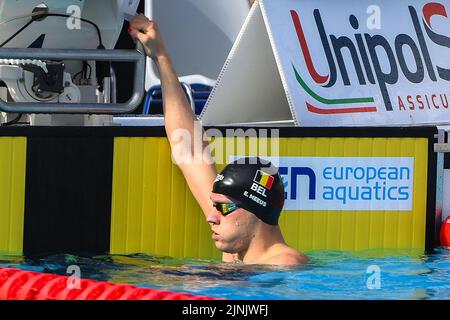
x=254 y=185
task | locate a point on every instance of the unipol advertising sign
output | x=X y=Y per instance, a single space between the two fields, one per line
x=364 y=62
x=352 y=62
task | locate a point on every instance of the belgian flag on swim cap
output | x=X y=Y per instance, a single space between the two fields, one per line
x=254 y=185
x=264 y=179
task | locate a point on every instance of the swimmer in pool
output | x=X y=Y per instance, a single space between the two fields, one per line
x=243 y=203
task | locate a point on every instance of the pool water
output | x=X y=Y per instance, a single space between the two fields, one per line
x=329 y=275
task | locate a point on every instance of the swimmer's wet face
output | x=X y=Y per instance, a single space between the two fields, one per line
x=234 y=231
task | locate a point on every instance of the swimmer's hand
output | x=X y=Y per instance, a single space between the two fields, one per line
x=147 y=32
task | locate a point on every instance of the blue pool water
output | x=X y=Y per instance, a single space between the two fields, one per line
x=330 y=275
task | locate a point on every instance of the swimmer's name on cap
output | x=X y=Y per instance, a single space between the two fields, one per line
x=253 y=185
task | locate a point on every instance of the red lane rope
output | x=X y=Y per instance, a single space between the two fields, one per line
x=26 y=285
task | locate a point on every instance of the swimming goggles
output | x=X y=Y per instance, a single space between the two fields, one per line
x=226 y=208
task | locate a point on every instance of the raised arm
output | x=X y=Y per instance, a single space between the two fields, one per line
x=180 y=121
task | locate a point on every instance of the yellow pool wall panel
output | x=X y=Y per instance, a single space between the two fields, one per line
x=359 y=230
x=13 y=151
x=153 y=210
x=352 y=230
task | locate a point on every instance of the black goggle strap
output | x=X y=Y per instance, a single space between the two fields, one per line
x=225 y=208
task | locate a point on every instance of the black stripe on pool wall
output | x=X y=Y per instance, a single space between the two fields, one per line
x=284 y=132
x=431 y=231
x=68 y=195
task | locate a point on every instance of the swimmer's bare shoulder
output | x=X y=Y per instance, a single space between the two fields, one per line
x=288 y=259
x=285 y=255
x=278 y=256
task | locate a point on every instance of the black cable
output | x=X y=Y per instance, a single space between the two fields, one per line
x=99 y=34
x=84 y=70
x=90 y=71
x=77 y=74
x=13 y=121
x=17 y=33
